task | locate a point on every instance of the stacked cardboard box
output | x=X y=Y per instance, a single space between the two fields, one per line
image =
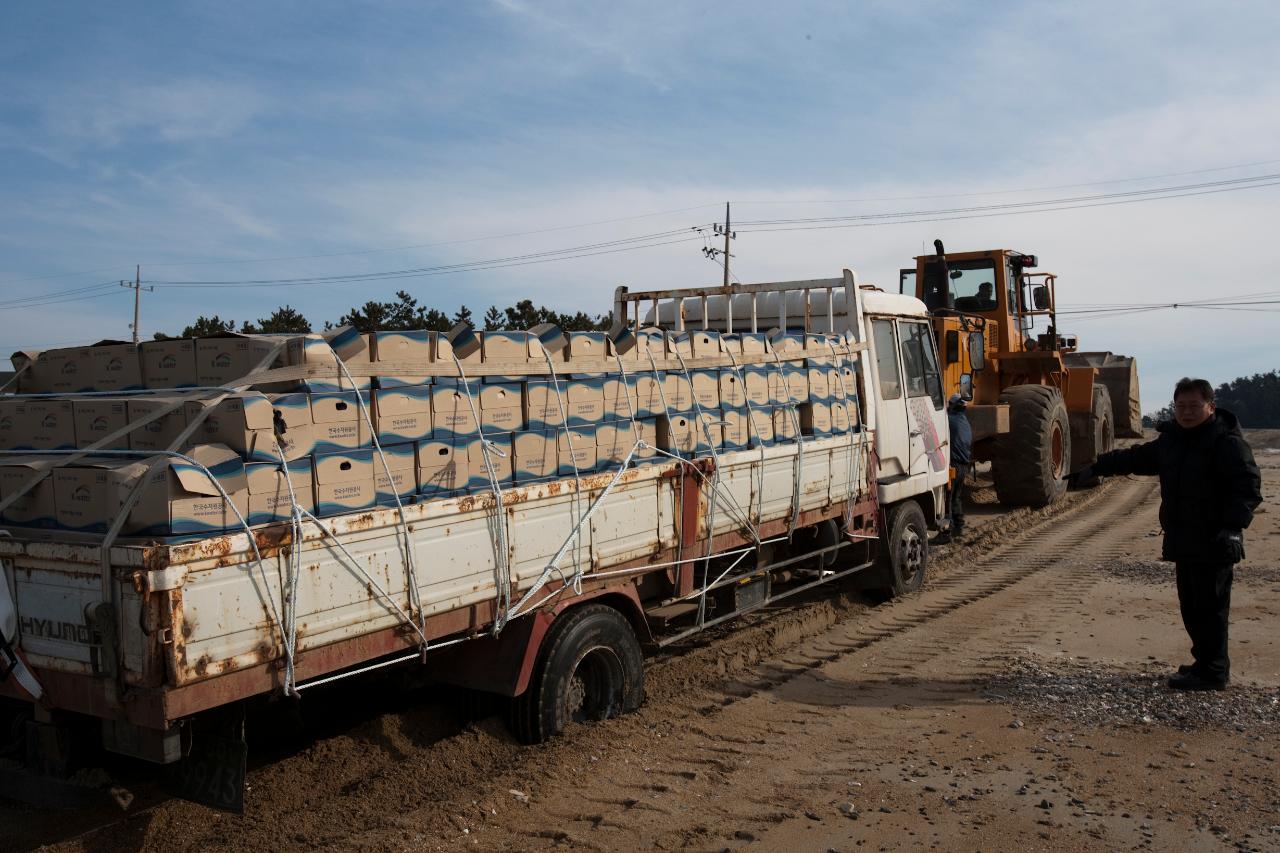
x=440 y=436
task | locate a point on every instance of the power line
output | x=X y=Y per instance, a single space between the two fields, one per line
x=1243 y=183
x=61 y=301
x=1021 y=190
x=441 y=243
x=58 y=275
x=40 y=297
x=1010 y=212
x=656 y=239
x=646 y=241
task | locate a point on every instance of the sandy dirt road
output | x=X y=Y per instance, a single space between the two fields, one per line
x=1016 y=703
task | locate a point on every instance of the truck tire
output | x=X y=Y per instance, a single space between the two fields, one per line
x=590 y=668
x=904 y=554
x=1031 y=459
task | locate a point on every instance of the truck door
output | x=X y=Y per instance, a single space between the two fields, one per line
x=892 y=432
x=926 y=408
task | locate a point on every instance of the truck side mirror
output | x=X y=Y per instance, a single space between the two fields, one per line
x=1040 y=297
x=966 y=386
x=977 y=351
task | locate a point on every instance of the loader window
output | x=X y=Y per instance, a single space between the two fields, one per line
x=966 y=280
x=920 y=363
x=886 y=359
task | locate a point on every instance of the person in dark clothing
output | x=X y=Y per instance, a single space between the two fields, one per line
x=961 y=460
x=1209 y=487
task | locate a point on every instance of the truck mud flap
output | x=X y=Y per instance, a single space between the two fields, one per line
x=213 y=772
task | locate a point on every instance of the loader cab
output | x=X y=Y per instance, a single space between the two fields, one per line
x=1000 y=286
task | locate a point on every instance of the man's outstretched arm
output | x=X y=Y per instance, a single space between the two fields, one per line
x=1139 y=459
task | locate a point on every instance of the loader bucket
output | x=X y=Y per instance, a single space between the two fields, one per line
x=1119 y=374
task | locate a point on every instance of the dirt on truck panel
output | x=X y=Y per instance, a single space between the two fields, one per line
x=1017 y=700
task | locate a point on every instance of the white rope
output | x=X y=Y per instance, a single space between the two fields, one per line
x=553 y=563
x=577 y=477
x=395 y=605
x=626 y=390
x=293 y=572
x=848 y=505
x=153 y=458
x=798 y=467
x=746 y=399
x=715 y=485
x=502 y=571
x=410 y=563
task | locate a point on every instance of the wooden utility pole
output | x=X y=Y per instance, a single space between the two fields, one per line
x=137 y=288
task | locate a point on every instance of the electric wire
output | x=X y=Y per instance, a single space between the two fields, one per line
x=19 y=300
x=448 y=269
x=81 y=298
x=458 y=242
x=1019 y=190
x=751 y=226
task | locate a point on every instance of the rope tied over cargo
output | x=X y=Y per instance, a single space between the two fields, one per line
x=838 y=361
x=410 y=564
x=502 y=570
x=574 y=535
x=798 y=465
x=751 y=427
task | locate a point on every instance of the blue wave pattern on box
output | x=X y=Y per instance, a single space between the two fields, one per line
x=355 y=494
x=401 y=458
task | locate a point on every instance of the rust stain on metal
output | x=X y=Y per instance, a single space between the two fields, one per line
x=364 y=521
x=155 y=559
x=202 y=665
x=273 y=540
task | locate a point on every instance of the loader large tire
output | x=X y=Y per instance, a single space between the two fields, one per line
x=590 y=667
x=1031 y=459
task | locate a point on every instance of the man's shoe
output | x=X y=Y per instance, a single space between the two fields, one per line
x=1195 y=681
x=1186 y=668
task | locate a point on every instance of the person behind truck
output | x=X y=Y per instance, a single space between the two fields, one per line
x=986 y=297
x=1209 y=487
x=961 y=462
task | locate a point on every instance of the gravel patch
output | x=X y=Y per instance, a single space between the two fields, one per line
x=1094 y=695
x=1140 y=571
x=1155 y=572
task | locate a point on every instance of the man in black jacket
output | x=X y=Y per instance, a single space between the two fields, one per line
x=1209 y=487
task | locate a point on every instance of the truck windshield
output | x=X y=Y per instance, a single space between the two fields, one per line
x=972 y=283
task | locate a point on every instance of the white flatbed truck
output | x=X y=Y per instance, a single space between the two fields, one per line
x=546 y=593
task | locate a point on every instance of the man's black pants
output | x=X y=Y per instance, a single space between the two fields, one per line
x=1204 y=596
x=959 y=493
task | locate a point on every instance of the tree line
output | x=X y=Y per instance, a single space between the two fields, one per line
x=403 y=313
x=1255 y=400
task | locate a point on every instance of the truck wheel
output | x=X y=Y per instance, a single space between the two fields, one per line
x=904 y=553
x=1031 y=459
x=590 y=668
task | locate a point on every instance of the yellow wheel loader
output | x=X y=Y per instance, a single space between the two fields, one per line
x=1039 y=407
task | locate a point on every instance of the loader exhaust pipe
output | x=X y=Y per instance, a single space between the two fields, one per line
x=937 y=281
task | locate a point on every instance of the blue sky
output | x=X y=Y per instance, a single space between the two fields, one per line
x=199 y=140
